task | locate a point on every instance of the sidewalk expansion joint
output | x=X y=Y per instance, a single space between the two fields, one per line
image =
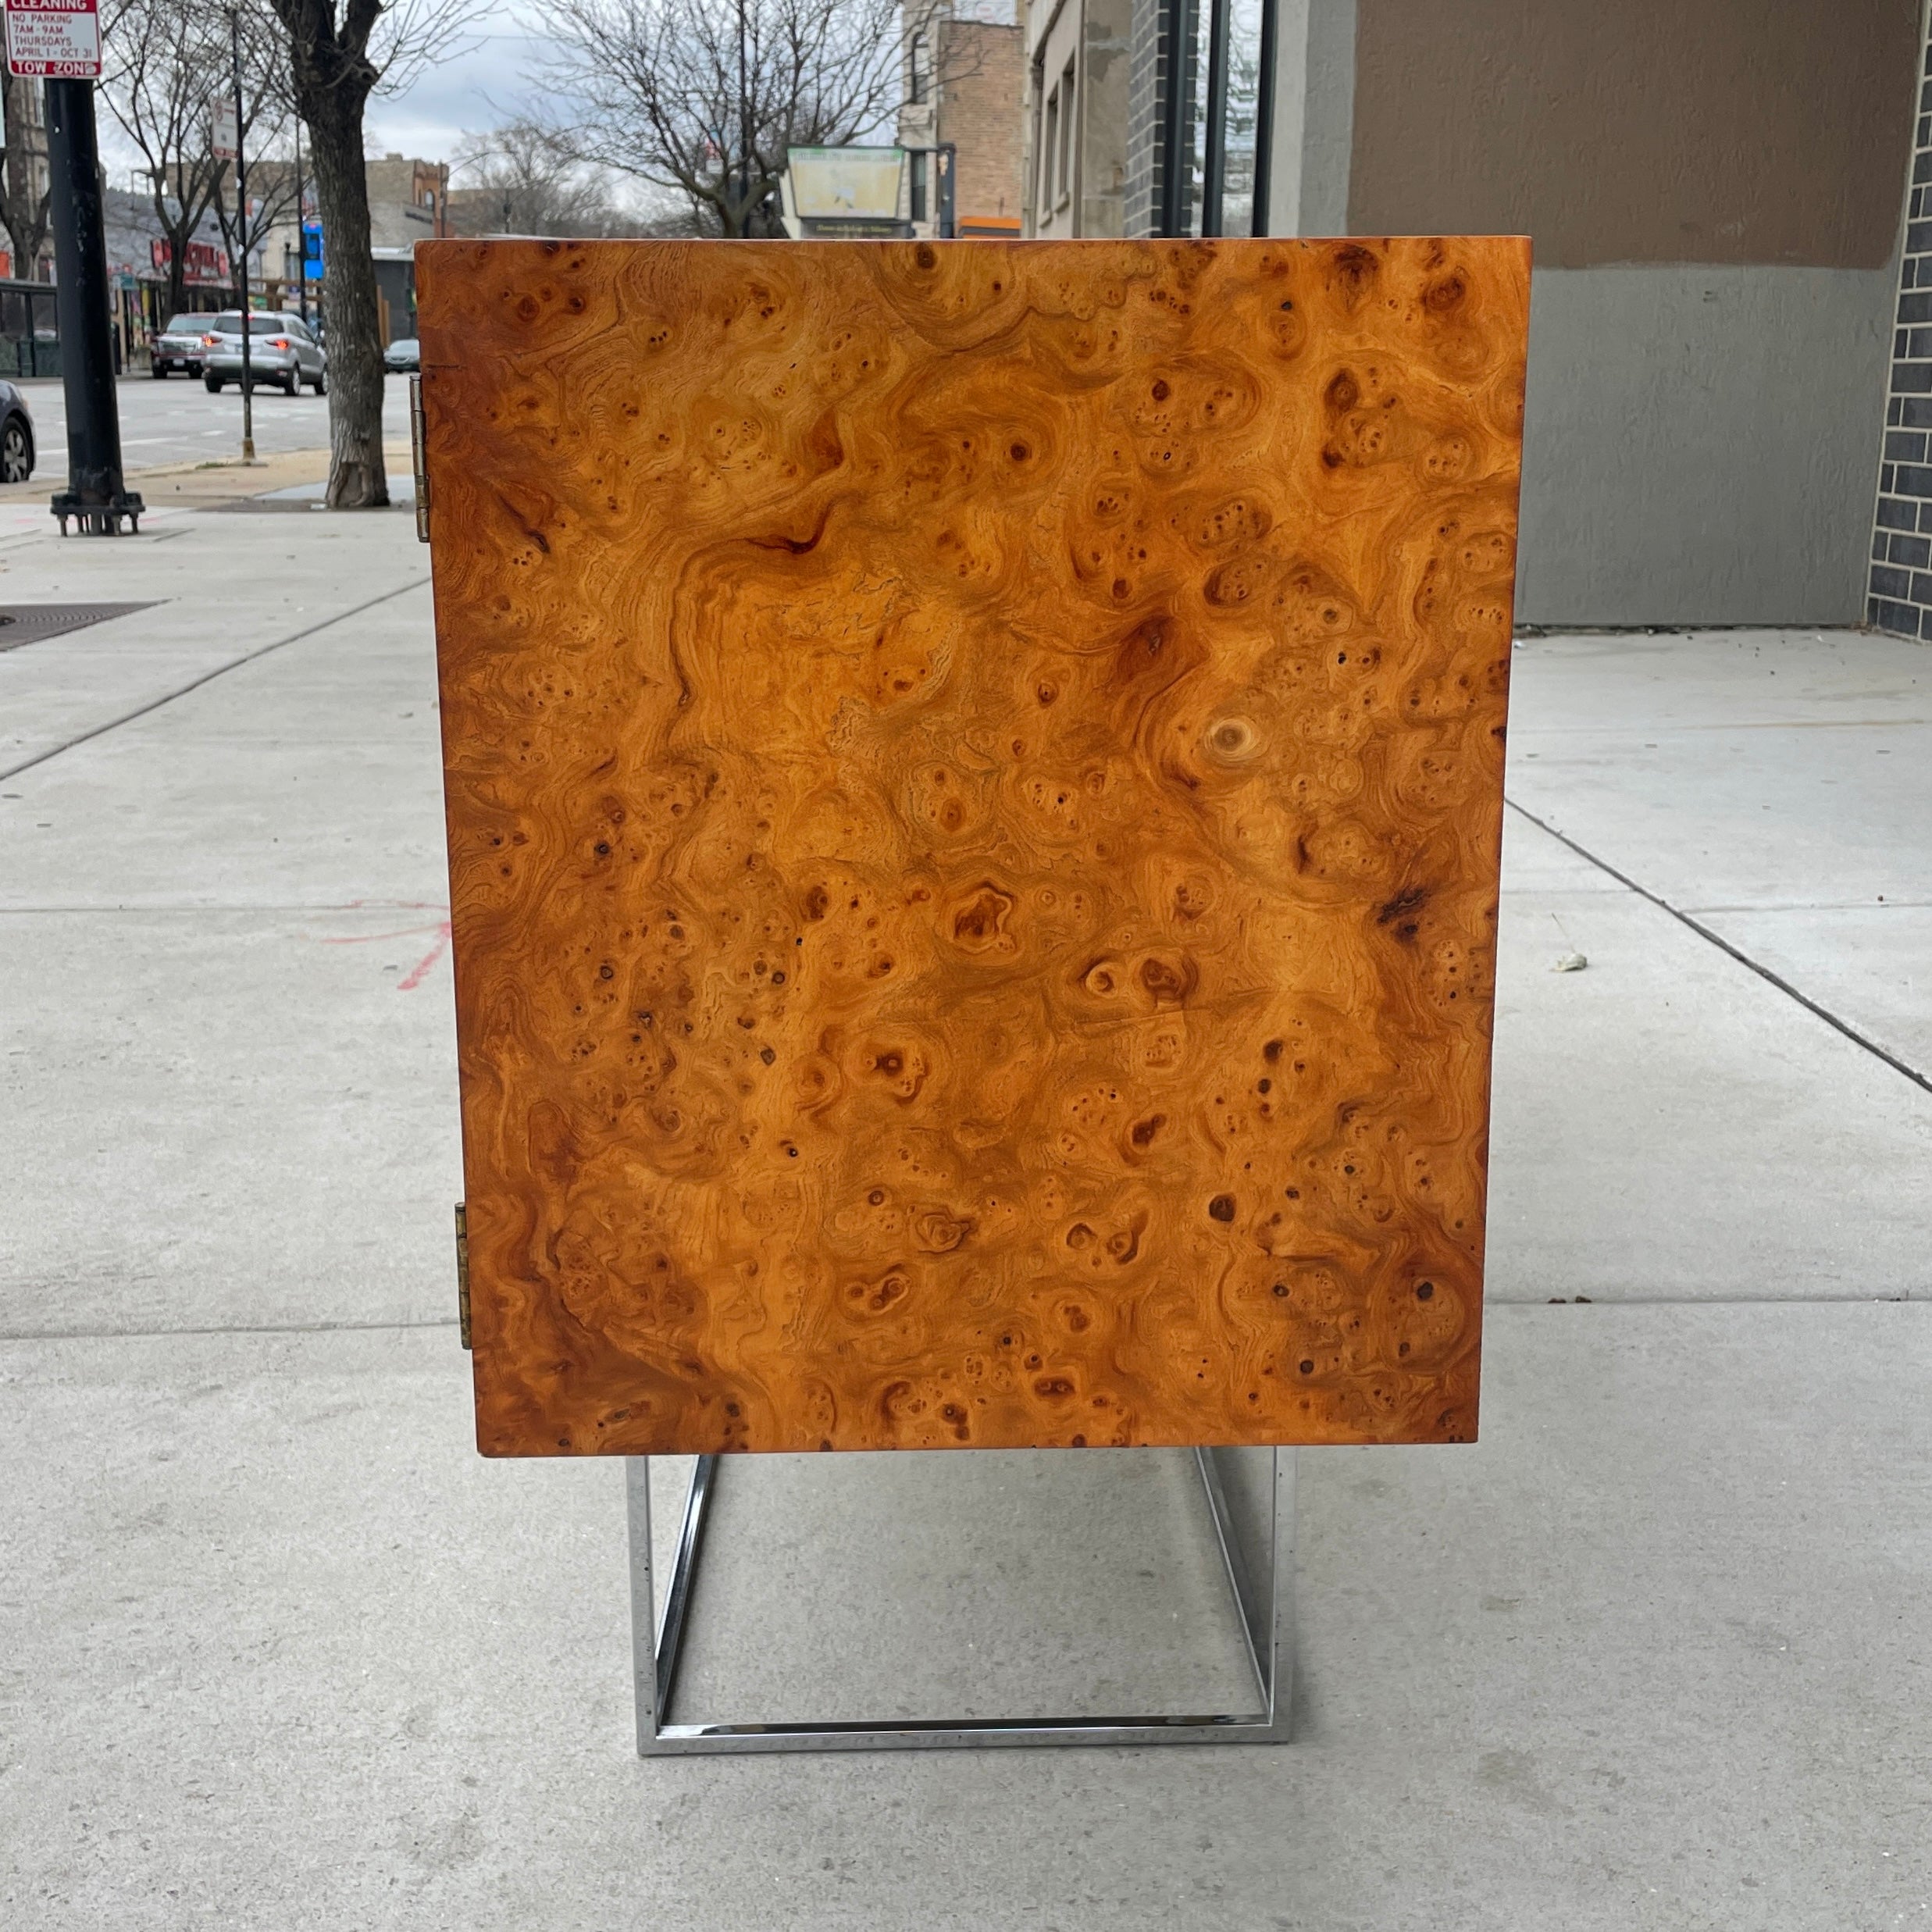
x=1534 y=1304
x=208 y=677
x=1743 y=958
x=269 y=1327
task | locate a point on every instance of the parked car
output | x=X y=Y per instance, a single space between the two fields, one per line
x=403 y=357
x=17 y=436
x=280 y=351
x=181 y=345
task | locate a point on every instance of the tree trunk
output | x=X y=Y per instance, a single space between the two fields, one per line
x=357 y=479
x=23 y=212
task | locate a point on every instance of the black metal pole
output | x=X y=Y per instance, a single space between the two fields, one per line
x=1214 y=161
x=744 y=130
x=95 y=497
x=302 y=231
x=1264 y=122
x=241 y=239
x=1176 y=25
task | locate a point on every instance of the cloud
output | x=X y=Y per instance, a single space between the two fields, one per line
x=479 y=87
x=481 y=83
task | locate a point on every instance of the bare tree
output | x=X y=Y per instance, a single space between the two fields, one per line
x=22 y=207
x=273 y=186
x=167 y=61
x=704 y=97
x=339 y=52
x=523 y=179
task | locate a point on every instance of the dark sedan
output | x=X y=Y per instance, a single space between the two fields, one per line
x=17 y=436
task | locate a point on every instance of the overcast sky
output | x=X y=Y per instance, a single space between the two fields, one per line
x=476 y=89
x=478 y=86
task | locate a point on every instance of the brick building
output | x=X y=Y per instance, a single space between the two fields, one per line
x=964 y=86
x=1898 y=588
x=408 y=200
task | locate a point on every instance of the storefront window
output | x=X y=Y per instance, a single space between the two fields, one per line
x=1241 y=117
x=1216 y=122
x=30 y=341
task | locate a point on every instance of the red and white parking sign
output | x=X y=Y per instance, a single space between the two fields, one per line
x=54 y=40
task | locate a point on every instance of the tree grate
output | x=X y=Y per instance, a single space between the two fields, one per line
x=33 y=623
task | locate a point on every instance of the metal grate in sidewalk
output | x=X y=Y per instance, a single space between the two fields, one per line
x=32 y=623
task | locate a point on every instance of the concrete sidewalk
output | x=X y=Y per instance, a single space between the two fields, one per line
x=278 y=1650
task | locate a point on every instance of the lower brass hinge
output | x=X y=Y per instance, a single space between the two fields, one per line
x=419 y=458
x=462 y=1272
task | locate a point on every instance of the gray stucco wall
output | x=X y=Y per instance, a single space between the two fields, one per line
x=1770 y=134
x=1314 y=110
x=1700 y=445
x=1701 y=442
x=1106 y=47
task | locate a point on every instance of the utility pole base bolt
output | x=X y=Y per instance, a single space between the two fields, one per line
x=93 y=517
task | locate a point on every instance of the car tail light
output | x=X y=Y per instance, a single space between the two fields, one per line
x=211 y=342
x=278 y=342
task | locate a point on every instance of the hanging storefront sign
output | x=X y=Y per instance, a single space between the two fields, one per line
x=201 y=261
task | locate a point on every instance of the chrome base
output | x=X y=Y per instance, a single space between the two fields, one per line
x=1267 y=1623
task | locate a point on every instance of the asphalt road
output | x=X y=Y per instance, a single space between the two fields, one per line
x=178 y=421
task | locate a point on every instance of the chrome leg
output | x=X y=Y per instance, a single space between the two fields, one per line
x=1267 y=1617
x=655 y=1647
x=1264 y=1594
x=643 y=1610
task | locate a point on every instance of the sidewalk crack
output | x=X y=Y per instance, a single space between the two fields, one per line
x=208 y=677
x=1743 y=958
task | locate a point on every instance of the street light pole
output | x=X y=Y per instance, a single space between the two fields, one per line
x=241 y=237
x=96 y=496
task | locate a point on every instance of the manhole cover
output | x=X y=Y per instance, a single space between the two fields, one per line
x=29 y=623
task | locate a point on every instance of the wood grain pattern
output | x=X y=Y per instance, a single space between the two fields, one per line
x=974 y=781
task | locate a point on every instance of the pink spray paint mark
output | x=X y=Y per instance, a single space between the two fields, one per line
x=417 y=973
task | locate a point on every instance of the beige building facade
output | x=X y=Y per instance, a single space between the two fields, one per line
x=1077 y=59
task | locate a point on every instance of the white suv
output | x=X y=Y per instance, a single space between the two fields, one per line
x=280 y=350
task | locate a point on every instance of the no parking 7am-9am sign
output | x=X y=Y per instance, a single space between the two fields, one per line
x=54 y=40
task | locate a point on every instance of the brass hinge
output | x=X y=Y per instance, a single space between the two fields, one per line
x=419 y=460
x=462 y=1272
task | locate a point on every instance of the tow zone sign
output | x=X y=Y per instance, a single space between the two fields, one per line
x=54 y=40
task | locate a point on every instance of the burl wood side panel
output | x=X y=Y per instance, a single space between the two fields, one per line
x=974 y=783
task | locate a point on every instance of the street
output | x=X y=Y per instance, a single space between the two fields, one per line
x=282 y=1650
x=178 y=421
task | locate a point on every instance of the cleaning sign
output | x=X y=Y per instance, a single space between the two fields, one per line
x=54 y=40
